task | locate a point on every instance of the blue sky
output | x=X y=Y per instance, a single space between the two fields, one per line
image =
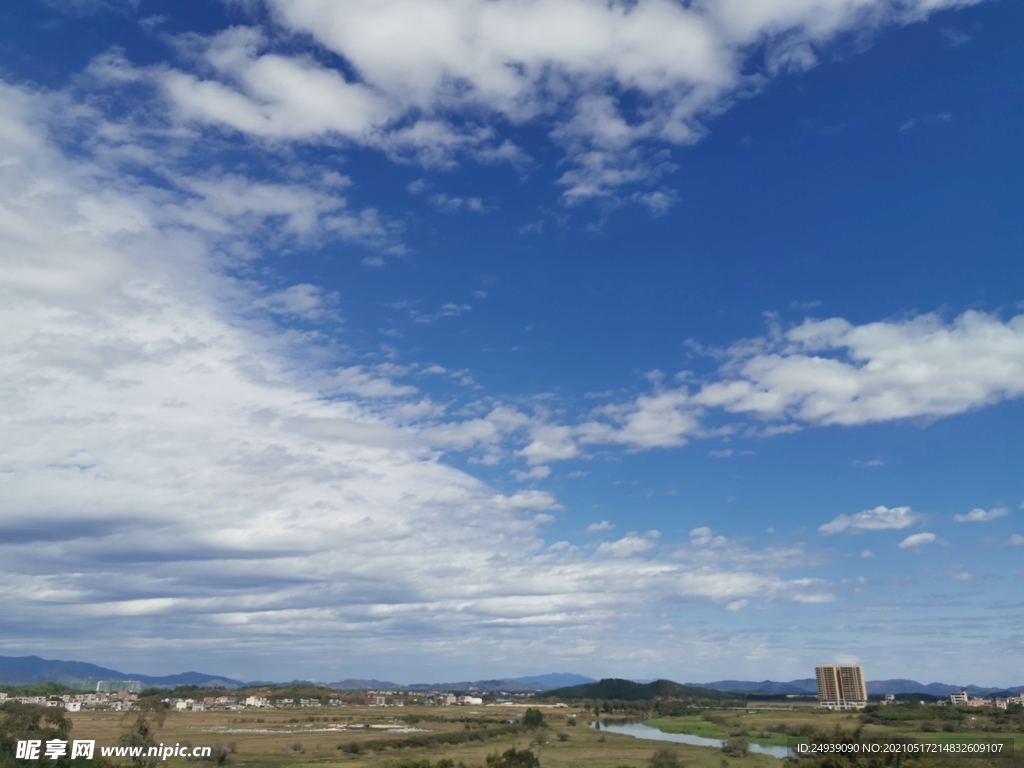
x=447 y=340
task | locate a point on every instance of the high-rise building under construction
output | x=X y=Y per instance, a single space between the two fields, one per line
x=841 y=687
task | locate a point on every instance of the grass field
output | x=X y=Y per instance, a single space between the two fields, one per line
x=289 y=737
x=360 y=736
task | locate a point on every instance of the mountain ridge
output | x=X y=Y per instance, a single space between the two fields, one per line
x=26 y=670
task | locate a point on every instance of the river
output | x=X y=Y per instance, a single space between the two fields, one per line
x=641 y=731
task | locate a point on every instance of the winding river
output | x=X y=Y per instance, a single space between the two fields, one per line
x=641 y=731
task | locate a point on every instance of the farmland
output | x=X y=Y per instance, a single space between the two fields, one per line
x=364 y=736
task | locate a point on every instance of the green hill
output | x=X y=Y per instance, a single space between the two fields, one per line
x=614 y=689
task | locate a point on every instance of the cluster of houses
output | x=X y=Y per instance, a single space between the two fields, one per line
x=964 y=699
x=120 y=695
x=81 y=702
x=373 y=699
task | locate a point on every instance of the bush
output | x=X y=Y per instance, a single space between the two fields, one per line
x=563 y=737
x=666 y=758
x=736 y=747
x=533 y=718
x=513 y=758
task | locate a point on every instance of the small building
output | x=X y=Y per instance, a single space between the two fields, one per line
x=958 y=698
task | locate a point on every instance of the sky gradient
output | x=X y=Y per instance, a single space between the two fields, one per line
x=455 y=340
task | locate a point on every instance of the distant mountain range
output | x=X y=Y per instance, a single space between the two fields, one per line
x=24 y=670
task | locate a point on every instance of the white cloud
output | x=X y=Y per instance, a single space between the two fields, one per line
x=832 y=372
x=451 y=309
x=549 y=443
x=604 y=525
x=534 y=473
x=448 y=204
x=538 y=472
x=527 y=500
x=701 y=536
x=981 y=516
x=867 y=554
x=918 y=540
x=629 y=545
x=431 y=80
x=303 y=300
x=166 y=454
x=722 y=454
x=814 y=598
x=736 y=605
x=1017 y=540
x=877 y=519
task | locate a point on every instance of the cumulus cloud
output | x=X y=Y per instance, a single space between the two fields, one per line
x=167 y=455
x=538 y=472
x=979 y=515
x=527 y=500
x=1017 y=540
x=604 y=525
x=628 y=545
x=918 y=540
x=438 y=80
x=701 y=536
x=831 y=372
x=877 y=519
x=142 y=418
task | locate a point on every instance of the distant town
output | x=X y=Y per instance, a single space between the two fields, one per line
x=121 y=695
x=843 y=687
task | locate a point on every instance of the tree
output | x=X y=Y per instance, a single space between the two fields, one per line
x=29 y=722
x=533 y=718
x=666 y=758
x=143 y=724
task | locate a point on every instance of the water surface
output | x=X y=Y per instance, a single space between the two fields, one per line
x=641 y=731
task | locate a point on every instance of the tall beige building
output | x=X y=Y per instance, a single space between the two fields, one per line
x=841 y=687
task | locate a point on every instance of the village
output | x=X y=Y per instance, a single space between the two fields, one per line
x=123 y=695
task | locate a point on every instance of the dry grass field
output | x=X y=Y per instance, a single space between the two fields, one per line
x=360 y=736
x=279 y=737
